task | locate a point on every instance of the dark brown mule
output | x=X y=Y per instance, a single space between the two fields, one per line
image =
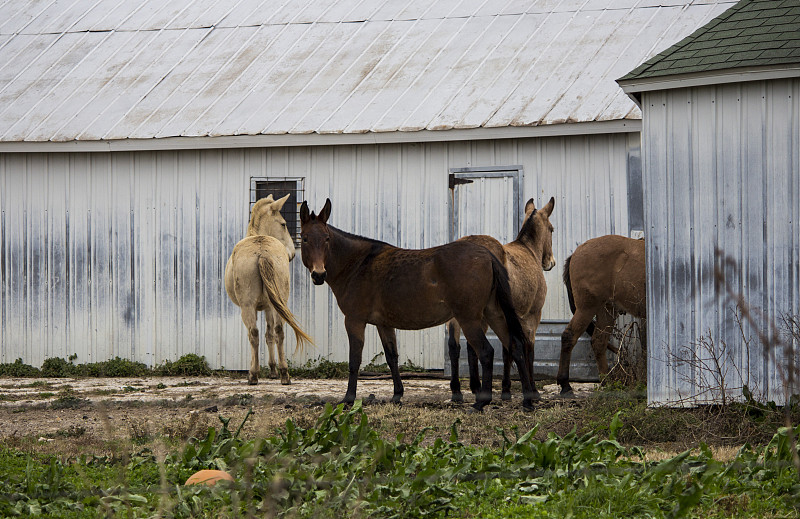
x=377 y=283
x=526 y=258
x=604 y=278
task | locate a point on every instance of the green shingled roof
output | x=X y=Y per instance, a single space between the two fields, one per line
x=752 y=33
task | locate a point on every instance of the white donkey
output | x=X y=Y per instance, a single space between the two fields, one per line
x=257 y=279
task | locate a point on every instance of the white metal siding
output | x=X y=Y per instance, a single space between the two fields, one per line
x=721 y=170
x=108 y=254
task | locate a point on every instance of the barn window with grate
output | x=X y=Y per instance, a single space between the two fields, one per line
x=260 y=187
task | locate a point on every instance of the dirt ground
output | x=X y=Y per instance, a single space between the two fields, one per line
x=93 y=415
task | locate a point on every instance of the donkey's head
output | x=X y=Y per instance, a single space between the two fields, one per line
x=266 y=219
x=315 y=242
x=537 y=224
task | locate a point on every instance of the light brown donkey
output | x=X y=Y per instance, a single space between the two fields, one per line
x=257 y=279
x=604 y=277
x=525 y=258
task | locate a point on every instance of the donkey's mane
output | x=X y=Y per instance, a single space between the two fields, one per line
x=528 y=227
x=359 y=238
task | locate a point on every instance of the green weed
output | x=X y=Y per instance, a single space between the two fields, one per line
x=342 y=467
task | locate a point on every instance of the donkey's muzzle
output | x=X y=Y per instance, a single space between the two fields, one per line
x=318 y=277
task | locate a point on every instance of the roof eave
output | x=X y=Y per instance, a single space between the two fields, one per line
x=316 y=139
x=634 y=87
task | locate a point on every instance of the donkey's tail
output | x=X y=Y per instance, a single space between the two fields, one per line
x=502 y=290
x=267 y=270
x=568 y=284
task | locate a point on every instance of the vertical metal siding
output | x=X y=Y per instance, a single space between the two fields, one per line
x=123 y=254
x=721 y=170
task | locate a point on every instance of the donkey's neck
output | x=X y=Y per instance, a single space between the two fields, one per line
x=347 y=252
x=531 y=240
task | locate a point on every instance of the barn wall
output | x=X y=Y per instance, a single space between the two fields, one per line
x=721 y=172
x=123 y=254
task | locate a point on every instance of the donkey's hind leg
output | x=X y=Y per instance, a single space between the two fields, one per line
x=506 y=386
x=477 y=339
x=454 y=352
x=270 y=337
x=474 y=372
x=250 y=322
x=275 y=340
x=389 y=341
x=602 y=332
x=521 y=356
x=569 y=337
x=279 y=338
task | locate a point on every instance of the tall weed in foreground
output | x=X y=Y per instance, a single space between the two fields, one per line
x=341 y=467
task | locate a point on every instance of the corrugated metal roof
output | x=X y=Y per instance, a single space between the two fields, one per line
x=753 y=33
x=113 y=69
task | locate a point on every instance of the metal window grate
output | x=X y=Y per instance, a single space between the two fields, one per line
x=260 y=187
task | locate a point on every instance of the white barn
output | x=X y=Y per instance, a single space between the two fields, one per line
x=134 y=136
x=721 y=168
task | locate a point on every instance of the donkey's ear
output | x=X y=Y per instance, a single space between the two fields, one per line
x=548 y=209
x=325 y=213
x=278 y=204
x=529 y=206
x=305 y=217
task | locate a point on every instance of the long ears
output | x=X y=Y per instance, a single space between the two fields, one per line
x=548 y=209
x=529 y=206
x=278 y=204
x=306 y=216
x=325 y=212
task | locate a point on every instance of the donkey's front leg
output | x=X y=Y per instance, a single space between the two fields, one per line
x=389 y=341
x=355 y=333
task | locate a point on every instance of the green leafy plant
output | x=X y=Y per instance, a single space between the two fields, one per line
x=187 y=365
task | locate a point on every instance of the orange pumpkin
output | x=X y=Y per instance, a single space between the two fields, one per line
x=208 y=477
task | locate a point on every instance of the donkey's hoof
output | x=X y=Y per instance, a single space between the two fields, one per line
x=478 y=406
x=528 y=407
x=286 y=381
x=396 y=399
x=475 y=410
x=566 y=393
x=457 y=398
x=252 y=381
x=505 y=395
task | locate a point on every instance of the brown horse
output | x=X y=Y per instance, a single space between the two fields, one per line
x=526 y=258
x=377 y=283
x=604 y=278
x=257 y=279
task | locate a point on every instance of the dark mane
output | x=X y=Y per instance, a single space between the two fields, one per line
x=528 y=227
x=360 y=238
x=376 y=246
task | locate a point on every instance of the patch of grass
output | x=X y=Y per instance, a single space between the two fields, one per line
x=73 y=431
x=188 y=365
x=18 y=369
x=116 y=367
x=67 y=399
x=56 y=367
x=320 y=368
x=242 y=399
x=188 y=383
